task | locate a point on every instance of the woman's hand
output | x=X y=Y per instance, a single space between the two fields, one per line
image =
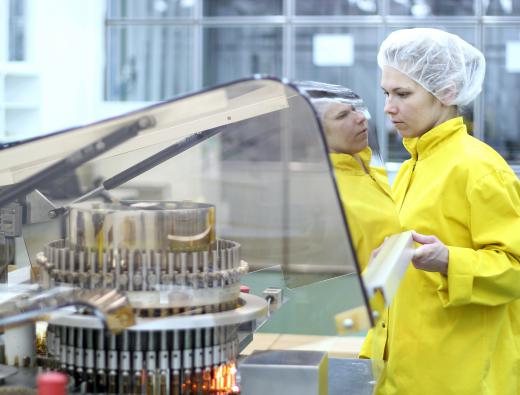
x=375 y=252
x=432 y=255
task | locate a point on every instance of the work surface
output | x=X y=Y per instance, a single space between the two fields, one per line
x=346 y=377
x=335 y=346
x=350 y=377
x=307 y=310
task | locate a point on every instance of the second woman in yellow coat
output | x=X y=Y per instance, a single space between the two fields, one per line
x=364 y=189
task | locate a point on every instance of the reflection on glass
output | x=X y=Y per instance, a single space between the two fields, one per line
x=361 y=75
x=128 y=9
x=290 y=224
x=336 y=7
x=502 y=84
x=260 y=134
x=364 y=189
x=239 y=52
x=363 y=186
x=425 y=8
x=242 y=7
x=396 y=151
x=148 y=63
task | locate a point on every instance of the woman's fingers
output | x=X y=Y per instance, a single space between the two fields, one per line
x=424 y=239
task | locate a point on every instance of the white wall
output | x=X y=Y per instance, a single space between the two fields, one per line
x=68 y=48
x=68 y=43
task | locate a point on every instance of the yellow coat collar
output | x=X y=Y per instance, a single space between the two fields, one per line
x=348 y=162
x=423 y=146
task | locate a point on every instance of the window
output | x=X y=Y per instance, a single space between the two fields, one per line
x=149 y=9
x=149 y=63
x=158 y=49
x=501 y=7
x=427 y=8
x=358 y=70
x=17 y=39
x=501 y=88
x=337 y=7
x=236 y=52
x=242 y=7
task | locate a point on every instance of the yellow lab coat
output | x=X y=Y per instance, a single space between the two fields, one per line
x=371 y=216
x=457 y=334
x=367 y=201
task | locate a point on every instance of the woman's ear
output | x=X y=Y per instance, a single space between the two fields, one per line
x=448 y=94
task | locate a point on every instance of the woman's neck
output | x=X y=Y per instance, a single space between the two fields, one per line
x=450 y=112
x=358 y=159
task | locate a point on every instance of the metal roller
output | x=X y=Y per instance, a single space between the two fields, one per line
x=142 y=225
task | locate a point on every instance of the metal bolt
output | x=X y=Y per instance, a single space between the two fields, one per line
x=146 y=122
x=348 y=323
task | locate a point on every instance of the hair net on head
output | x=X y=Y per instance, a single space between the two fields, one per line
x=322 y=95
x=442 y=63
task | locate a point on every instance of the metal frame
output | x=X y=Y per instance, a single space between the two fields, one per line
x=251 y=308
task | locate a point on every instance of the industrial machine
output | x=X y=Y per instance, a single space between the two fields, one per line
x=181 y=282
x=131 y=238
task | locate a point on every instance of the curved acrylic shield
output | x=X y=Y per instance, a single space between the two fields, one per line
x=254 y=149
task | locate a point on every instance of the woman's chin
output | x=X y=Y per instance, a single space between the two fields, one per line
x=406 y=133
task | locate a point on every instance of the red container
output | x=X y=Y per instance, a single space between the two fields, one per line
x=52 y=383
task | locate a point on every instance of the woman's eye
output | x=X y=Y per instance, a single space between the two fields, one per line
x=403 y=94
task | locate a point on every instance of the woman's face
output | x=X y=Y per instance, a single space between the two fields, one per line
x=345 y=128
x=412 y=109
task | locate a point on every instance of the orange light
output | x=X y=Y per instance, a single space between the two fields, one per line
x=221 y=379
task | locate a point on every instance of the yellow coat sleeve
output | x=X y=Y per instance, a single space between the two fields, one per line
x=488 y=273
x=366 y=348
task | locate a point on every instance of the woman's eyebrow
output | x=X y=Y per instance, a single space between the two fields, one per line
x=343 y=112
x=397 y=89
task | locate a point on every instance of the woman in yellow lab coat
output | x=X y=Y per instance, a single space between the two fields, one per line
x=454 y=325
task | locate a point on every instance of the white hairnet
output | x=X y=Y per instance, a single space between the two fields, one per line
x=322 y=95
x=442 y=63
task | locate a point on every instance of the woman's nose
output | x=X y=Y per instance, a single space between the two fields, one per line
x=389 y=107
